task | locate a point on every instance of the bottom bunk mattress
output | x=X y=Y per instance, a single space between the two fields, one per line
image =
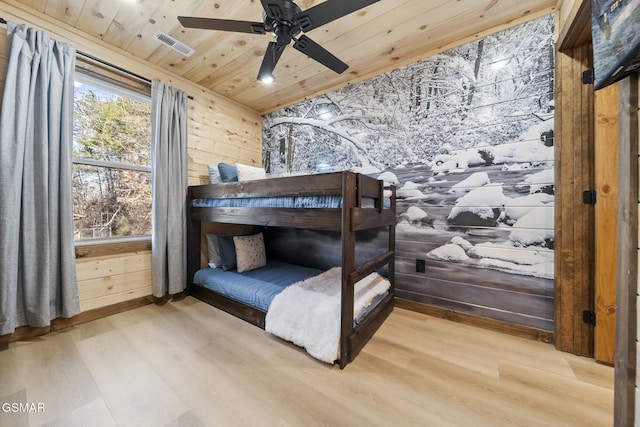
x=255 y=288
x=302 y=304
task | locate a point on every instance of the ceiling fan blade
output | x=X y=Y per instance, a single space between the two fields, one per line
x=273 y=8
x=271 y=57
x=328 y=11
x=313 y=50
x=222 y=25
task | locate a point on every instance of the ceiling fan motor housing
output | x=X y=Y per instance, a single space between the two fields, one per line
x=279 y=19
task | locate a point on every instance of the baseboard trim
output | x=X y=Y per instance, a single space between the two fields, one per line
x=24 y=333
x=481 y=322
x=28 y=332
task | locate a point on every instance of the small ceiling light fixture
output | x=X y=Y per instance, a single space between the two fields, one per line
x=267 y=79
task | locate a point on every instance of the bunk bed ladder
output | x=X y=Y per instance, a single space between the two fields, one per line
x=352 y=273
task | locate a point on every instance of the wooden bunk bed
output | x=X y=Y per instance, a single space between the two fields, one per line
x=363 y=207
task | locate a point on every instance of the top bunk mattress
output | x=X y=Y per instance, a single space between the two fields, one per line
x=271 y=202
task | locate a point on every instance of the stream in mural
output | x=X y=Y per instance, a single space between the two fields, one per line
x=466 y=136
x=489 y=253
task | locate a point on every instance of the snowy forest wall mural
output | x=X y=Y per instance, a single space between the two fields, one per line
x=467 y=138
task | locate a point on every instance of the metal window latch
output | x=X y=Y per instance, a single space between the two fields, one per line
x=588 y=77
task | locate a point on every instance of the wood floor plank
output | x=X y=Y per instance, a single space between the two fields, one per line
x=14 y=419
x=134 y=392
x=582 y=403
x=189 y=364
x=94 y=414
x=37 y=365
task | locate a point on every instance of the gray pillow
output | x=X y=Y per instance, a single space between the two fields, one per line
x=215 y=260
x=214 y=174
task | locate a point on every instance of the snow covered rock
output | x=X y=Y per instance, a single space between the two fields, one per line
x=389 y=178
x=366 y=170
x=544 y=270
x=415 y=215
x=520 y=206
x=463 y=243
x=450 y=166
x=475 y=180
x=541 y=182
x=540 y=132
x=536 y=228
x=410 y=185
x=507 y=253
x=448 y=252
x=480 y=207
x=522 y=152
x=517 y=166
x=460 y=159
x=409 y=189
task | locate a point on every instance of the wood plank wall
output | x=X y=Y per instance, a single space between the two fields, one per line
x=219 y=130
x=111 y=279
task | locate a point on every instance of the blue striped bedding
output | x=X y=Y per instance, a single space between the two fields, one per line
x=271 y=202
x=256 y=287
x=333 y=202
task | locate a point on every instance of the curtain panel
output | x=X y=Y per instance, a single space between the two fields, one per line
x=37 y=259
x=169 y=164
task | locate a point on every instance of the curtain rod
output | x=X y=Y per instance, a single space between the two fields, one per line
x=108 y=64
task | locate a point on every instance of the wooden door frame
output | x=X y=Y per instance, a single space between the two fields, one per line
x=574 y=174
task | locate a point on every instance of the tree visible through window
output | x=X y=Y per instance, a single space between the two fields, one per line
x=111 y=161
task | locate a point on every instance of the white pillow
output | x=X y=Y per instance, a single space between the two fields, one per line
x=248 y=173
x=250 y=253
x=215 y=260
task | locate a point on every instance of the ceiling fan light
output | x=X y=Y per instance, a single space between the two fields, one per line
x=267 y=79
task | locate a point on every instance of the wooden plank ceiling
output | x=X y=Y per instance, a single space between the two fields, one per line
x=376 y=39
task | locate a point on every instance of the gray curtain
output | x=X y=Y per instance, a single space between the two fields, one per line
x=169 y=162
x=37 y=260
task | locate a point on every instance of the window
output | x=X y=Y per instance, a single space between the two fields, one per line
x=111 y=160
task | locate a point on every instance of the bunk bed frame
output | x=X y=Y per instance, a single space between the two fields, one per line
x=354 y=189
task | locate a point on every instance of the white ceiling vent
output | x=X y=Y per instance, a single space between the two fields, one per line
x=174 y=44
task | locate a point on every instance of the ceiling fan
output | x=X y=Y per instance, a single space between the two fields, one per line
x=285 y=20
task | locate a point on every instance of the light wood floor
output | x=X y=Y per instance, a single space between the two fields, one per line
x=189 y=364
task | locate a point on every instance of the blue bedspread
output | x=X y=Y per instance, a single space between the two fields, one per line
x=271 y=202
x=256 y=287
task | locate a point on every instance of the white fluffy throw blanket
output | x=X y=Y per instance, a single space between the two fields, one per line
x=307 y=313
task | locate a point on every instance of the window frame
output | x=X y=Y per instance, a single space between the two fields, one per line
x=110 y=80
